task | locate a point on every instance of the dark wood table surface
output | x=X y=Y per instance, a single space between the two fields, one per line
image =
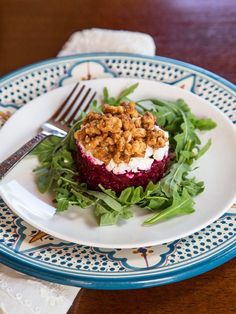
x=202 y=32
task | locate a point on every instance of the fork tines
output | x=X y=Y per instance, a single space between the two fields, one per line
x=77 y=101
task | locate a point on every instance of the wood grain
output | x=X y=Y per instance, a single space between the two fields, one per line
x=211 y=293
x=202 y=32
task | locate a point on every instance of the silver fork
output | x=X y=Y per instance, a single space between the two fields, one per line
x=56 y=125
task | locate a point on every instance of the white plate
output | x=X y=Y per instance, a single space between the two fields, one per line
x=216 y=168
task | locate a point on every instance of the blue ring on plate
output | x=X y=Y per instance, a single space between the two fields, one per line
x=121 y=283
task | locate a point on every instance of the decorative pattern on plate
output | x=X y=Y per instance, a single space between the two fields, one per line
x=34 y=252
x=84 y=70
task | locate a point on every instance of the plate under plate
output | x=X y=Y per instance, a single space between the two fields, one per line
x=34 y=252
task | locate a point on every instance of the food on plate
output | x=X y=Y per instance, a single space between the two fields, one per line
x=120 y=147
x=125 y=153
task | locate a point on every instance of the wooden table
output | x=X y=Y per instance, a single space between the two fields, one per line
x=202 y=32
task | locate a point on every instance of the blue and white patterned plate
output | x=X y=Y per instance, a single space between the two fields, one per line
x=33 y=252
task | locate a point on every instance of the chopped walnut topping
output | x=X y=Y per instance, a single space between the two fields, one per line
x=92 y=116
x=138 y=148
x=117 y=157
x=102 y=154
x=113 y=109
x=119 y=133
x=139 y=132
x=127 y=122
x=148 y=121
x=138 y=122
x=109 y=124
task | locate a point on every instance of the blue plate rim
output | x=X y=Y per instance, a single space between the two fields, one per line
x=122 y=283
x=117 y=283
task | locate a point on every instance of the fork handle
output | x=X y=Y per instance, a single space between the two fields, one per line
x=13 y=159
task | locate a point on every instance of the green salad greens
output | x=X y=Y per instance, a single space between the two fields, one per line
x=173 y=195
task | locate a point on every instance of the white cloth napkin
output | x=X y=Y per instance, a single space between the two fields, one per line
x=22 y=294
x=105 y=40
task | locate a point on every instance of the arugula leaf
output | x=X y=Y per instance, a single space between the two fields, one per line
x=204 y=124
x=95 y=107
x=156 y=202
x=109 y=218
x=164 y=103
x=100 y=209
x=137 y=195
x=163 y=115
x=111 y=202
x=192 y=186
x=62 y=204
x=44 y=180
x=186 y=140
x=83 y=199
x=182 y=105
x=182 y=204
x=108 y=191
x=204 y=149
x=125 y=194
x=172 y=181
x=126 y=92
x=127 y=212
x=107 y=99
x=46 y=148
x=152 y=188
x=105 y=95
x=122 y=97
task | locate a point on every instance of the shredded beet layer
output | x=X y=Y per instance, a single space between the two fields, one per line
x=94 y=175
